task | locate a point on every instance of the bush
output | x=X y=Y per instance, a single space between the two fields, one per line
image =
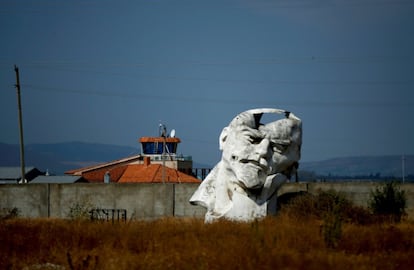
x=7 y=213
x=388 y=202
x=307 y=206
x=331 y=228
x=80 y=210
x=333 y=209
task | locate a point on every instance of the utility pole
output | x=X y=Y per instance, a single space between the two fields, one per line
x=163 y=134
x=19 y=106
x=163 y=160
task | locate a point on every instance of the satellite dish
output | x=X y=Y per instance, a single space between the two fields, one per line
x=172 y=134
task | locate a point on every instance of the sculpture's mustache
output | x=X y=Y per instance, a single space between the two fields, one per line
x=260 y=165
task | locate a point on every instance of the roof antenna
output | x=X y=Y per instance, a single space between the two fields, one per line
x=162 y=130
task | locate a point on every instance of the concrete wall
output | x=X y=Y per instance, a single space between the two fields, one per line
x=30 y=201
x=183 y=208
x=358 y=192
x=142 y=201
x=147 y=201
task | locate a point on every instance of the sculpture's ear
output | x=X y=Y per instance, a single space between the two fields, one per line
x=223 y=137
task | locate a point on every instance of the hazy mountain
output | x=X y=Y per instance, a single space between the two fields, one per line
x=362 y=166
x=60 y=157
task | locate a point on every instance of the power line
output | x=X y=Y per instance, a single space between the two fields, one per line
x=141 y=69
x=311 y=103
x=315 y=59
x=137 y=96
x=152 y=76
x=74 y=6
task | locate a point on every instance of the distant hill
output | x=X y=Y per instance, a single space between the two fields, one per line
x=382 y=166
x=60 y=157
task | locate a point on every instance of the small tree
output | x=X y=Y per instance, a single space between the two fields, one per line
x=332 y=226
x=80 y=210
x=388 y=201
x=7 y=213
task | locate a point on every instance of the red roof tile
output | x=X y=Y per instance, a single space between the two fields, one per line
x=97 y=176
x=122 y=172
x=152 y=173
x=125 y=171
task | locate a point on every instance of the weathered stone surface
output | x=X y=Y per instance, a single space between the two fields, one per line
x=256 y=160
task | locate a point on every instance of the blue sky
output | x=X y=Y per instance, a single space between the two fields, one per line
x=111 y=71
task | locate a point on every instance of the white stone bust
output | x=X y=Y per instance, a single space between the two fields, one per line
x=256 y=159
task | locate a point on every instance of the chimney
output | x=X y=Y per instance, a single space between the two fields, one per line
x=107 y=178
x=147 y=161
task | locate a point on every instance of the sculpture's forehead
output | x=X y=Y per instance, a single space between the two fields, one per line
x=286 y=128
x=283 y=128
x=246 y=129
x=251 y=118
x=244 y=120
x=282 y=124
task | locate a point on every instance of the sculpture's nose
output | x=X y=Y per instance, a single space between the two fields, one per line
x=263 y=148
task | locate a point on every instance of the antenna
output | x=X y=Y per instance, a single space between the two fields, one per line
x=162 y=130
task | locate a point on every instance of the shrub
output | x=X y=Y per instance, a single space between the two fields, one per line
x=306 y=206
x=333 y=209
x=332 y=226
x=7 y=213
x=302 y=206
x=80 y=210
x=331 y=205
x=388 y=202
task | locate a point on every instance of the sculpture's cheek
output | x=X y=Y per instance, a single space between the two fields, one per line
x=281 y=163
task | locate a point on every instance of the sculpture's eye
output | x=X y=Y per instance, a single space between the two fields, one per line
x=280 y=145
x=279 y=148
x=255 y=140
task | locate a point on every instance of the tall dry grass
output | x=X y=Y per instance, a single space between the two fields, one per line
x=284 y=242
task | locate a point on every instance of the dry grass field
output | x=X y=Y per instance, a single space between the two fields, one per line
x=282 y=242
x=310 y=232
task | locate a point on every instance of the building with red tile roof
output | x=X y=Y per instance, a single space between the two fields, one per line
x=146 y=172
x=158 y=163
x=154 y=173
